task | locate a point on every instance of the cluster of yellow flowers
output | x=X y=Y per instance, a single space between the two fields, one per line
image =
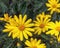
x=20 y=27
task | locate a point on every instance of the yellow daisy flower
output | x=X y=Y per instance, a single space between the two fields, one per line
x=6 y=17
x=53 y=6
x=19 y=27
x=55 y=28
x=33 y=43
x=41 y=25
x=43 y=15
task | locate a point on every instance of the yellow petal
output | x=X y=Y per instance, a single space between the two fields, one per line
x=6 y=30
x=21 y=36
x=38 y=42
x=1 y=18
x=29 y=25
x=20 y=19
x=10 y=34
x=28 y=43
x=24 y=18
x=16 y=18
x=30 y=29
x=29 y=33
x=48 y=5
x=25 y=35
x=28 y=21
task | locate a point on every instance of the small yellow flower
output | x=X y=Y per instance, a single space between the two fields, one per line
x=55 y=28
x=6 y=17
x=43 y=15
x=41 y=24
x=19 y=27
x=53 y=6
x=34 y=43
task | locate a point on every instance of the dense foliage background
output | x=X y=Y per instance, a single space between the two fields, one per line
x=31 y=8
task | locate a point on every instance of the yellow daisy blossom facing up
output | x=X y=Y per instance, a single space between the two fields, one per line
x=34 y=43
x=5 y=18
x=19 y=27
x=55 y=28
x=43 y=15
x=41 y=25
x=53 y=6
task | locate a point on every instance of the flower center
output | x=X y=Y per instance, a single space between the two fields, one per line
x=22 y=27
x=7 y=18
x=54 y=6
x=58 y=28
x=34 y=47
x=42 y=25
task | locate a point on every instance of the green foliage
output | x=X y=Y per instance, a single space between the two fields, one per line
x=31 y=8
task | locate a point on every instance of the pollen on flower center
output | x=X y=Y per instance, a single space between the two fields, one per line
x=42 y=25
x=22 y=27
x=58 y=28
